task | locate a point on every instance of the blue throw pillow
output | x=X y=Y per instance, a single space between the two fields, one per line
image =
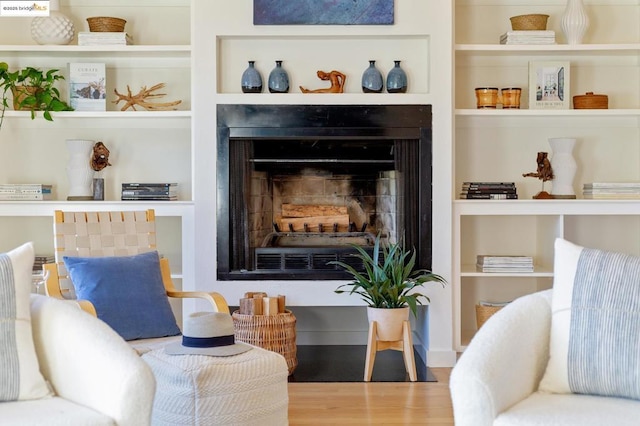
x=127 y=292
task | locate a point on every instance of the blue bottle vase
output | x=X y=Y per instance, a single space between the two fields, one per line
x=278 y=79
x=251 y=79
x=397 y=79
x=372 y=79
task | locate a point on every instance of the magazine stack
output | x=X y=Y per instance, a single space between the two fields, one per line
x=504 y=263
x=149 y=191
x=488 y=191
x=611 y=190
x=529 y=37
x=25 y=192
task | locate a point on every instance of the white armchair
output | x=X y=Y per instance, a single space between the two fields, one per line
x=496 y=380
x=96 y=377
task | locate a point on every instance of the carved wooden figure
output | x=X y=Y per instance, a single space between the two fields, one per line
x=543 y=172
x=336 y=78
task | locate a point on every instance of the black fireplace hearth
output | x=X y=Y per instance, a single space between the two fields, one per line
x=299 y=185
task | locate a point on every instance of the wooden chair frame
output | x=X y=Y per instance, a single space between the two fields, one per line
x=78 y=234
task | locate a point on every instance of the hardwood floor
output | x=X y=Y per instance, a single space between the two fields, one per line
x=372 y=403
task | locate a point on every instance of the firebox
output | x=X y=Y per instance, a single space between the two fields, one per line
x=300 y=186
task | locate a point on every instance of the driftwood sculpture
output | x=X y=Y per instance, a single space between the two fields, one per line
x=100 y=157
x=543 y=172
x=142 y=99
x=336 y=78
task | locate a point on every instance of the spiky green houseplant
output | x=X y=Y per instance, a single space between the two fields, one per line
x=389 y=279
x=33 y=90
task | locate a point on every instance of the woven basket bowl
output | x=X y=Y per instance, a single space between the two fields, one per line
x=99 y=24
x=529 y=22
x=483 y=313
x=590 y=101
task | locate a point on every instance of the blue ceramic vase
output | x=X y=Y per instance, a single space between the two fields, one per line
x=278 y=79
x=397 y=79
x=251 y=79
x=372 y=79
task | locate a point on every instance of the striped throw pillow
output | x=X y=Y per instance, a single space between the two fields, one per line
x=20 y=377
x=595 y=325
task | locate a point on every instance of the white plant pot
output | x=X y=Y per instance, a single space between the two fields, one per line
x=389 y=322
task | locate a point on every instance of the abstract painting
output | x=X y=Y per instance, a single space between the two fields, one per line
x=323 y=12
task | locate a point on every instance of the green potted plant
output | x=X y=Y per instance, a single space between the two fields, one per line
x=32 y=90
x=388 y=284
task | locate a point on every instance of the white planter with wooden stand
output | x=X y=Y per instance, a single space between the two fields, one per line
x=389 y=329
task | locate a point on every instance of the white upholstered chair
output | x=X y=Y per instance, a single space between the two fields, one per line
x=96 y=377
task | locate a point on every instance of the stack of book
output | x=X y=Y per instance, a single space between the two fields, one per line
x=504 y=263
x=611 y=190
x=25 y=192
x=149 y=191
x=489 y=191
x=39 y=262
x=100 y=38
x=528 y=37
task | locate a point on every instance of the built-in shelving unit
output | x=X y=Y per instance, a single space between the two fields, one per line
x=146 y=146
x=501 y=145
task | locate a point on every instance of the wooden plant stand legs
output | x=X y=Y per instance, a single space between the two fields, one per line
x=405 y=346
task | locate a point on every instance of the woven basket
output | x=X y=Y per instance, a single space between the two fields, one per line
x=483 y=313
x=275 y=333
x=99 y=24
x=529 y=22
x=591 y=101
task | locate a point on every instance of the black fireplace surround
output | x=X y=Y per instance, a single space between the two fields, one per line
x=284 y=139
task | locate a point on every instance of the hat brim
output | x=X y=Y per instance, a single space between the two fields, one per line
x=176 y=348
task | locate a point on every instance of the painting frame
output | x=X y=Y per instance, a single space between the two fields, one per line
x=323 y=12
x=549 y=85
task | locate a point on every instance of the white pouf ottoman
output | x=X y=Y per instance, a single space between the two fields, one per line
x=245 y=389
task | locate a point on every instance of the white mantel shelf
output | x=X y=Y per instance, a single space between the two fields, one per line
x=46 y=208
x=578 y=207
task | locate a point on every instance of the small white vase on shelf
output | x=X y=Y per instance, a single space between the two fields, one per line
x=564 y=167
x=56 y=28
x=79 y=171
x=575 y=22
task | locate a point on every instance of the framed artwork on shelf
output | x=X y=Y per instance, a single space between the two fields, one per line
x=549 y=83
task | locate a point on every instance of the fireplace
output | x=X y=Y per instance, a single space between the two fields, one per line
x=298 y=186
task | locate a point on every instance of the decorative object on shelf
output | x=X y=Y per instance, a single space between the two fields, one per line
x=100 y=157
x=106 y=24
x=574 y=22
x=486 y=97
x=336 y=78
x=590 y=101
x=549 y=83
x=278 y=79
x=397 y=79
x=56 y=28
x=87 y=86
x=372 y=81
x=141 y=99
x=511 y=97
x=485 y=310
x=388 y=287
x=33 y=90
x=544 y=172
x=564 y=167
x=251 y=81
x=79 y=170
x=531 y=22
x=522 y=37
x=313 y=12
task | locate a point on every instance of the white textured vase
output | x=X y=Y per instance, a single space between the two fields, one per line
x=79 y=171
x=564 y=167
x=575 y=22
x=56 y=28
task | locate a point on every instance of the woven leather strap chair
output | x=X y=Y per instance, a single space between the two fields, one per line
x=114 y=233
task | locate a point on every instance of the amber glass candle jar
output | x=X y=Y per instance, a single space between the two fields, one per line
x=511 y=97
x=486 y=97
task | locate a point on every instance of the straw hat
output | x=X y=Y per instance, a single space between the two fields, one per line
x=207 y=333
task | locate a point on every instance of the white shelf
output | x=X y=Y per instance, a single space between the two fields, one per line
x=546 y=207
x=134 y=115
x=561 y=49
x=46 y=208
x=547 y=113
x=75 y=50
